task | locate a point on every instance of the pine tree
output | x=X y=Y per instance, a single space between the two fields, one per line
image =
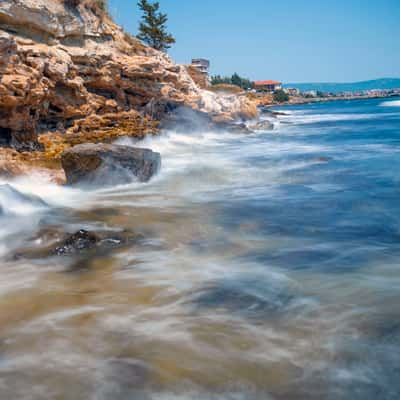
x=152 y=29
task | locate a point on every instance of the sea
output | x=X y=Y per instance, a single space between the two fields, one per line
x=266 y=267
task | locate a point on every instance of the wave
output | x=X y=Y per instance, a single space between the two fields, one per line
x=303 y=118
x=15 y=202
x=392 y=103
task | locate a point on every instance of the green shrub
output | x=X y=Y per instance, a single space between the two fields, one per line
x=235 y=79
x=280 y=96
x=102 y=4
x=94 y=4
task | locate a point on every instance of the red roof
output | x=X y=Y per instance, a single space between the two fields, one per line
x=262 y=83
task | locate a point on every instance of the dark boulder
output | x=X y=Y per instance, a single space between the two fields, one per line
x=54 y=242
x=108 y=164
x=263 y=125
x=83 y=240
x=266 y=111
x=79 y=241
x=233 y=127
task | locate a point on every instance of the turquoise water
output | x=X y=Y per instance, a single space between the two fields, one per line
x=268 y=269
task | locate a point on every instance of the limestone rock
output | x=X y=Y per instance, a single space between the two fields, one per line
x=61 y=63
x=105 y=164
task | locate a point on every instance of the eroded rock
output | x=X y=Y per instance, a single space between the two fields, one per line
x=263 y=125
x=106 y=164
x=84 y=240
x=64 y=63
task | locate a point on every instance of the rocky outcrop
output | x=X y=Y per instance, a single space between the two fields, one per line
x=62 y=65
x=104 y=164
x=54 y=242
x=103 y=242
x=263 y=125
x=200 y=79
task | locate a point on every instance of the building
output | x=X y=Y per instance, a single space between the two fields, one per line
x=202 y=65
x=309 y=93
x=292 y=91
x=267 y=86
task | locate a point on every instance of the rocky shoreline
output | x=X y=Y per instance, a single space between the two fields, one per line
x=69 y=75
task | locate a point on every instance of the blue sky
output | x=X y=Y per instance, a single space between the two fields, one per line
x=287 y=40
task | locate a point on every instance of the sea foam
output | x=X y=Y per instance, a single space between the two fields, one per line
x=393 y=103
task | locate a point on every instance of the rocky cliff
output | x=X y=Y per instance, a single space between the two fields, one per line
x=69 y=74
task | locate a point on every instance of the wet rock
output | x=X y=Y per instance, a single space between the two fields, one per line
x=105 y=164
x=264 y=125
x=79 y=241
x=101 y=241
x=64 y=63
x=184 y=119
x=271 y=113
x=324 y=159
x=235 y=128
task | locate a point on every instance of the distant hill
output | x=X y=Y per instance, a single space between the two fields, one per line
x=384 y=83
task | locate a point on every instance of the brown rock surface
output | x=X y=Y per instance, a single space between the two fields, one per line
x=104 y=164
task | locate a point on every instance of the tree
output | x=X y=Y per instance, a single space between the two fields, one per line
x=152 y=29
x=235 y=79
x=280 y=96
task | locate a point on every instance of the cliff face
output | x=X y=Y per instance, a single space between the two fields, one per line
x=69 y=69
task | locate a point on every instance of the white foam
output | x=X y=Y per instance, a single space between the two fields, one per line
x=304 y=118
x=393 y=103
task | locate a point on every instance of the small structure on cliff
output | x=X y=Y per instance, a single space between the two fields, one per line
x=69 y=75
x=199 y=72
x=267 y=86
x=202 y=65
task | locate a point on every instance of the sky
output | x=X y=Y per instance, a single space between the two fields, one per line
x=285 y=40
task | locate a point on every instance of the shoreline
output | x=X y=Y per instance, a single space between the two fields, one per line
x=298 y=101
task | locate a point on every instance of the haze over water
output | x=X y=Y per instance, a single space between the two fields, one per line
x=268 y=268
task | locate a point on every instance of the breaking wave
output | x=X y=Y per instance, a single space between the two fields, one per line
x=393 y=103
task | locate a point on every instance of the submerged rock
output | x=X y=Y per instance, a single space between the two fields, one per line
x=266 y=111
x=235 y=128
x=81 y=240
x=323 y=159
x=51 y=241
x=85 y=240
x=105 y=164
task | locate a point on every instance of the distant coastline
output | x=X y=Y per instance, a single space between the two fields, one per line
x=303 y=100
x=342 y=87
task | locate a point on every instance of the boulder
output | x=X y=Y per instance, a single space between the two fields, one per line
x=84 y=240
x=79 y=241
x=241 y=128
x=52 y=241
x=105 y=164
x=264 y=125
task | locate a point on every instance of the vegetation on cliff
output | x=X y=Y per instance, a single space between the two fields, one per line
x=70 y=75
x=235 y=79
x=152 y=29
x=280 y=96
